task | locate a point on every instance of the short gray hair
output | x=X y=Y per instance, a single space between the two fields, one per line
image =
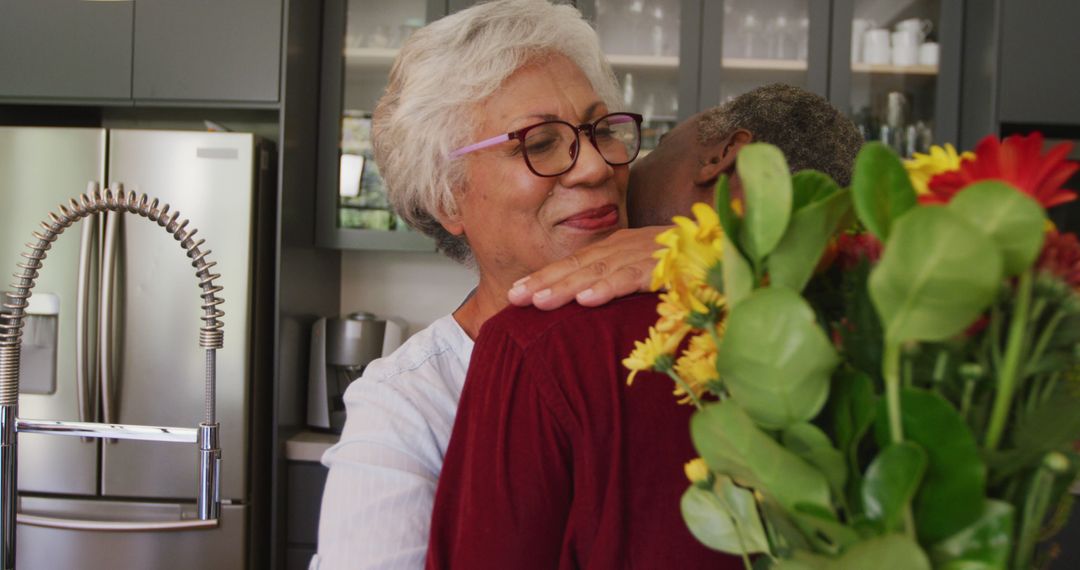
x=444 y=71
x=806 y=127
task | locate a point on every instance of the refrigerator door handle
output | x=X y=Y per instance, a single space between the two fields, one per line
x=114 y=526
x=105 y=320
x=83 y=351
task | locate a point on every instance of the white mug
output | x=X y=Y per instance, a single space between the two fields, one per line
x=876 y=49
x=858 y=30
x=920 y=27
x=928 y=53
x=905 y=48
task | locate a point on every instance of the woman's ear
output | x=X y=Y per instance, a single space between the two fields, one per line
x=719 y=158
x=450 y=218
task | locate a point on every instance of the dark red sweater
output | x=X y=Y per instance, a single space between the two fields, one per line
x=554 y=462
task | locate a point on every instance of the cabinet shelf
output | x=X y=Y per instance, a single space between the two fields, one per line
x=370 y=58
x=895 y=69
x=764 y=64
x=656 y=62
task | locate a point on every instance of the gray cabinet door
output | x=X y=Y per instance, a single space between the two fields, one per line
x=1039 y=79
x=207 y=50
x=64 y=49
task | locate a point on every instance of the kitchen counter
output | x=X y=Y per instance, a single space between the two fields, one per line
x=309 y=445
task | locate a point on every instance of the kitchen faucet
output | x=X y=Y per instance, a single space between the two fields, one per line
x=205 y=436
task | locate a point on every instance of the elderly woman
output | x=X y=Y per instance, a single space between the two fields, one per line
x=499 y=137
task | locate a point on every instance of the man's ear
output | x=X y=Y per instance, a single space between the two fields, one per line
x=719 y=158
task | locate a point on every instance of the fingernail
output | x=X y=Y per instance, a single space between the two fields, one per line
x=520 y=282
x=541 y=295
x=586 y=295
x=517 y=290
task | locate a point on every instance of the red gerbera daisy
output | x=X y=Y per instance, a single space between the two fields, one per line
x=1020 y=162
x=1061 y=257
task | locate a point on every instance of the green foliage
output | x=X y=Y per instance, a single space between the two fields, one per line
x=810 y=443
x=891 y=482
x=737 y=274
x=889 y=552
x=1052 y=425
x=809 y=187
x=986 y=543
x=1012 y=219
x=731 y=223
x=953 y=489
x=724 y=518
x=726 y=437
x=766 y=183
x=851 y=411
x=937 y=275
x=775 y=359
x=880 y=189
x=793 y=261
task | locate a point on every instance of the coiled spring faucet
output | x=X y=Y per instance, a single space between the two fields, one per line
x=205 y=435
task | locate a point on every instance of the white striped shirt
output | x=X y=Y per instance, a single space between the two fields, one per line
x=376 y=508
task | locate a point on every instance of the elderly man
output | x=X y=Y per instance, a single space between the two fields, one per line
x=683 y=170
x=553 y=462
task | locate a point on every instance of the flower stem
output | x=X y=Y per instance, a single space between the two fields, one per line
x=1010 y=368
x=891 y=373
x=686 y=388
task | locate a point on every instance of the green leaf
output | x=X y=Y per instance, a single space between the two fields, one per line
x=730 y=222
x=766 y=183
x=1015 y=221
x=774 y=359
x=726 y=437
x=953 y=488
x=986 y=543
x=938 y=273
x=891 y=482
x=738 y=276
x=810 y=443
x=861 y=336
x=793 y=261
x=851 y=409
x=826 y=532
x=810 y=186
x=890 y=552
x=880 y=188
x=712 y=517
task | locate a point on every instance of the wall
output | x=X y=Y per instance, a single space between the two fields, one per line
x=419 y=287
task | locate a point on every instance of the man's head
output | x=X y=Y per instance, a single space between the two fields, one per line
x=685 y=166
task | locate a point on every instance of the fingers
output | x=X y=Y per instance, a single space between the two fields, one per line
x=619 y=265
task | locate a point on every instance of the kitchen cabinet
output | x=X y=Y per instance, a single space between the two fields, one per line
x=361 y=38
x=672 y=58
x=207 y=50
x=1039 y=81
x=895 y=69
x=141 y=52
x=60 y=49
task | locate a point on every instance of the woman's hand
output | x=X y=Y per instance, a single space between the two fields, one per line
x=616 y=266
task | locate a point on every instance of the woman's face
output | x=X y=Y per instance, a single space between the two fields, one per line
x=515 y=221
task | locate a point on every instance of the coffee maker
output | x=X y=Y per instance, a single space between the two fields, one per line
x=340 y=350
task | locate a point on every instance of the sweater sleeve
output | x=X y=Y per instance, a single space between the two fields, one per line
x=505 y=490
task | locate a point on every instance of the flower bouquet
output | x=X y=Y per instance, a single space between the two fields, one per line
x=886 y=375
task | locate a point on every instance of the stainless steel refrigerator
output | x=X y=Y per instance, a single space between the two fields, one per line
x=113 y=336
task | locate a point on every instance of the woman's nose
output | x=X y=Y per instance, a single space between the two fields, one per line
x=591 y=169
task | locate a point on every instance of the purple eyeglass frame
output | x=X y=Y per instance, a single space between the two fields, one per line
x=589 y=129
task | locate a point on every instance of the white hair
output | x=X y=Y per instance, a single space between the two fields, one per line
x=439 y=79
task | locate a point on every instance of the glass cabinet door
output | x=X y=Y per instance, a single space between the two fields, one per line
x=641 y=40
x=763 y=42
x=901 y=84
x=361 y=40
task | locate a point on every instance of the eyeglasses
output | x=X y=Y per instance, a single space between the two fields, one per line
x=551 y=148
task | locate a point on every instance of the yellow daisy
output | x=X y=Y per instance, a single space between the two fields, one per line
x=922 y=167
x=645 y=354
